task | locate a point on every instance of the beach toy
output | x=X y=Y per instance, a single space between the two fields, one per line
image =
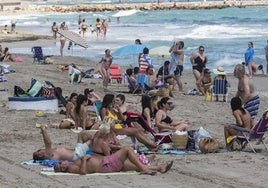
x=40 y=114
x=37 y=125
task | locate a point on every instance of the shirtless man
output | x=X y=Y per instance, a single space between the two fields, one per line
x=62 y=153
x=113 y=163
x=177 y=50
x=246 y=91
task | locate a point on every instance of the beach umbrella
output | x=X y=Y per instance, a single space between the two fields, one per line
x=130 y=49
x=160 y=52
x=74 y=37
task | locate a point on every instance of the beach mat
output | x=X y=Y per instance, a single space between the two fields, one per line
x=80 y=129
x=94 y=174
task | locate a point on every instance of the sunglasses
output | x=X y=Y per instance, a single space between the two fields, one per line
x=201 y=50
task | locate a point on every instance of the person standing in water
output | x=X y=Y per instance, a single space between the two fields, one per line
x=63 y=26
x=266 y=55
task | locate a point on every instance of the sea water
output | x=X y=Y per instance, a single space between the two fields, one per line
x=224 y=33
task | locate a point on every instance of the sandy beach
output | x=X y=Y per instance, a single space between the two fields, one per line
x=19 y=137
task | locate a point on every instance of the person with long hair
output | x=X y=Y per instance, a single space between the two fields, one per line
x=242 y=118
x=113 y=111
x=198 y=61
x=81 y=115
x=105 y=63
x=147 y=112
x=71 y=105
x=63 y=26
x=165 y=122
x=249 y=58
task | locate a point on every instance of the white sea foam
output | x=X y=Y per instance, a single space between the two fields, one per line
x=122 y=13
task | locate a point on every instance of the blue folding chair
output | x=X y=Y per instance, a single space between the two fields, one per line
x=38 y=54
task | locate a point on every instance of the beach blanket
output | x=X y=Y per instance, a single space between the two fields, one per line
x=31 y=162
x=47 y=162
x=52 y=173
x=79 y=129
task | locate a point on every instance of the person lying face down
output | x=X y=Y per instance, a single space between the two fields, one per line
x=113 y=163
x=62 y=153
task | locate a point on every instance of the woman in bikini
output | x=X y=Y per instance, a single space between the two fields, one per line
x=242 y=118
x=7 y=57
x=147 y=112
x=105 y=64
x=198 y=61
x=81 y=115
x=205 y=81
x=113 y=111
x=84 y=27
x=98 y=25
x=164 y=122
x=71 y=105
x=54 y=29
x=63 y=26
x=105 y=143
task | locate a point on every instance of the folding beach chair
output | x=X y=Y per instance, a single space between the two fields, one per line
x=131 y=85
x=38 y=54
x=159 y=138
x=115 y=73
x=257 y=133
x=141 y=81
x=220 y=88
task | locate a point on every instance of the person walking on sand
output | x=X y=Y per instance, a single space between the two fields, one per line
x=266 y=55
x=198 y=61
x=54 y=29
x=249 y=58
x=246 y=91
x=106 y=62
x=177 y=58
x=63 y=26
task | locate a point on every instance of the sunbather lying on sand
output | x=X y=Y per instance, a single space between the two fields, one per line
x=62 y=153
x=113 y=163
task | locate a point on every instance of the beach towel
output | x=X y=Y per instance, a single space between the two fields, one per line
x=49 y=173
x=32 y=162
x=47 y=162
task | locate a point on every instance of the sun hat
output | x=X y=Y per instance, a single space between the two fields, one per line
x=219 y=71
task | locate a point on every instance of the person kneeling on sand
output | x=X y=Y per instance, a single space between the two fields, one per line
x=62 y=153
x=113 y=163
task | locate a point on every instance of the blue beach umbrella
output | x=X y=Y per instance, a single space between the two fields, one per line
x=130 y=49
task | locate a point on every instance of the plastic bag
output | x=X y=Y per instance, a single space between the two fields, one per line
x=201 y=133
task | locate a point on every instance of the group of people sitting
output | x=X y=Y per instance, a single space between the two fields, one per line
x=106 y=153
x=5 y=55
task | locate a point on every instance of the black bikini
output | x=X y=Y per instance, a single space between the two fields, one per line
x=167 y=120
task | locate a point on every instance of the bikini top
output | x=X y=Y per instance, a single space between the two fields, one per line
x=167 y=120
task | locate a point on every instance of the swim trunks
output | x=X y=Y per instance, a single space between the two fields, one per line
x=178 y=70
x=80 y=150
x=252 y=106
x=111 y=163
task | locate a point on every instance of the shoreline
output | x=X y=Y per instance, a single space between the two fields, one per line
x=138 y=6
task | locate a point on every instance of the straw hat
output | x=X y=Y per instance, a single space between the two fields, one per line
x=219 y=71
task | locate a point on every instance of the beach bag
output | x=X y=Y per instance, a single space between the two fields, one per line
x=209 y=145
x=19 y=92
x=35 y=89
x=48 y=92
x=75 y=78
x=191 y=139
